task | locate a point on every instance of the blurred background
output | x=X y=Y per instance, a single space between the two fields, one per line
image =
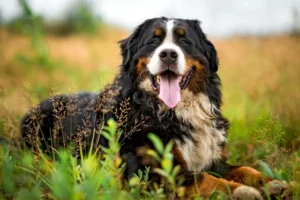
x=219 y=18
x=51 y=47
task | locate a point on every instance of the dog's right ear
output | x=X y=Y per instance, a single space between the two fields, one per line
x=129 y=46
x=126 y=46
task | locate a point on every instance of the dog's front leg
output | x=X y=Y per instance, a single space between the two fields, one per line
x=203 y=184
x=247 y=176
x=254 y=178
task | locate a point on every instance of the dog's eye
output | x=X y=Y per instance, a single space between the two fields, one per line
x=183 y=41
x=155 y=41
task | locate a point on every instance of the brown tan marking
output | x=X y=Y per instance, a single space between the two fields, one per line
x=180 y=31
x=209 y=184
x=141 y=66
x=190 y=62
x=158 y=32
x=145 y=158
x=198 y=74
x=247 y=176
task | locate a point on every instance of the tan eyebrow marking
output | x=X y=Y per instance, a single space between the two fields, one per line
x=180 y=31
x=158 y=32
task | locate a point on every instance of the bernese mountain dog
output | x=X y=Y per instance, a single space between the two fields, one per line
x=168 y=85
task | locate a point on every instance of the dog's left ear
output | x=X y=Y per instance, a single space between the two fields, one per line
x=129 y=46
x=208 y=48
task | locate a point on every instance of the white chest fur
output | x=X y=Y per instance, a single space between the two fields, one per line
x=199 y=112
x=205 y=146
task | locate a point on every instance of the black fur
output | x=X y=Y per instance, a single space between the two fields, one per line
x=63 y=119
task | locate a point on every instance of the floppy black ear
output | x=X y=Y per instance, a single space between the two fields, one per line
x=129 y=46
x=209 y=49
x=127 y=49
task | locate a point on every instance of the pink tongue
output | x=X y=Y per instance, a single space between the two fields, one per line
x=169 y=91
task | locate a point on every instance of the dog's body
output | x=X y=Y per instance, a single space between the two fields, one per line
x=168 y=85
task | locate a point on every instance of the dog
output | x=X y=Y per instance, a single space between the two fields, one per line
x=168 y=84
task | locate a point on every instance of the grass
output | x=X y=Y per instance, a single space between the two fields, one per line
x=261 y=95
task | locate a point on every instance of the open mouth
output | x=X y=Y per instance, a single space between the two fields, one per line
x=184 y=80
x=169 y=85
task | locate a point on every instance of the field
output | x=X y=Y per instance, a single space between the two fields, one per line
x=261 y=90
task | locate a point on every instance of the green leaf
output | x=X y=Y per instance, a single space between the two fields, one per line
x=169 y=156
x=134 y=181
x=281 y=175
x=168 y=147
x=153 y=153
x=110 y=130
x=112 y=125
x=266 y=170
x=167 y=165
x=215 y=174
x=107 y=135
x=27 y=159
x=140 y=173
x=161 y=172
x=156 y=142
x=147 y=171
x=175 y=170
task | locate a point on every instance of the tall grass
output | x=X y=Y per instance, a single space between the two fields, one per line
x=261 y=96
x=25 y=175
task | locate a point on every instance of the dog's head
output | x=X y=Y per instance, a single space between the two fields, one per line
x=170 y=54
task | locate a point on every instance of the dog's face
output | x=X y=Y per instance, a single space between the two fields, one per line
x=171 y=54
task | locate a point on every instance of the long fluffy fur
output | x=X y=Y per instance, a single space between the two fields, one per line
x=196 y=124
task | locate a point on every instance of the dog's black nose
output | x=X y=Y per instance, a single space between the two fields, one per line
x=168 y=56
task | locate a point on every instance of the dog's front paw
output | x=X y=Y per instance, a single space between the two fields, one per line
x=278 y=189
x=246 y=193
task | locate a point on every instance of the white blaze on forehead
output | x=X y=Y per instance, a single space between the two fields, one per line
x=169 y=30
x=154 y=64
